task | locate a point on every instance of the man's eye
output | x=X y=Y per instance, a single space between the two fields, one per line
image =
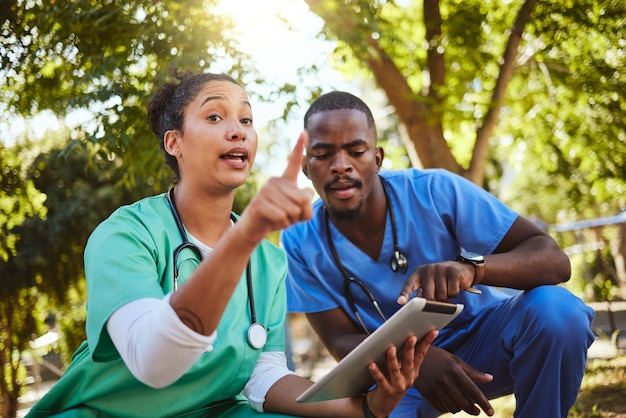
x=322 y=156
x=357 y=153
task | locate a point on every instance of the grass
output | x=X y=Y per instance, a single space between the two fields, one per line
x=603 y=390
x=602 y=393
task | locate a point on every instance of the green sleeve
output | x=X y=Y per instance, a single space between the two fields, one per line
x=126 y=258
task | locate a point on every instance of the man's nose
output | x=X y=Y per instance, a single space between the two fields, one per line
x=341 y=163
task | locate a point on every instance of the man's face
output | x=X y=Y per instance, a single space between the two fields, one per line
x=342 y=160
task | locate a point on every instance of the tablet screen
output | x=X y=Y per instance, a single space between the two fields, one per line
x=351 y=377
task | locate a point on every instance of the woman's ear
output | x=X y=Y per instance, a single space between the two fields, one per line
x=170 y=143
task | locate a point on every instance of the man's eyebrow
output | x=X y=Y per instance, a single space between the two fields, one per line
x=325 y=145
x=354 y=143
x=321 y=146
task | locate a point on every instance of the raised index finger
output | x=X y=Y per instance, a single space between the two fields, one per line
x=294 y=164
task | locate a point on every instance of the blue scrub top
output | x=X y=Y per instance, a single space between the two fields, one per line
x=437 y=213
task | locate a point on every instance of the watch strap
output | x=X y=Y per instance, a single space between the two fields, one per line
x=479 y=267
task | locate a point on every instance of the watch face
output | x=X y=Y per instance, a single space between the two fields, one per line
x=468 y=255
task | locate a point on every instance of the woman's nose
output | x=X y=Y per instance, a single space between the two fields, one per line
x=237 y=136
x=237 y=133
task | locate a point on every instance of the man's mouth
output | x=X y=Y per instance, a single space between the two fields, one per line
x=342 y=184
x=343 y=188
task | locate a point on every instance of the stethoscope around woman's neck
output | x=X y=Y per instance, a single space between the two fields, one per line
x=397 y=263
x=257 y=334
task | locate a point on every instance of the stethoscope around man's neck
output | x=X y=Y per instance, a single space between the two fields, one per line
x=397 y=263
x=257 y=334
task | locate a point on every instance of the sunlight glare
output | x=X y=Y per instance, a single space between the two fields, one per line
x=264 y=33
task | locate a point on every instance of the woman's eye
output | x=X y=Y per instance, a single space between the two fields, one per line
x=246 y=121
x=213 y=118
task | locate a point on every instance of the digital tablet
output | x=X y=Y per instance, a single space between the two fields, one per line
x=351 y=377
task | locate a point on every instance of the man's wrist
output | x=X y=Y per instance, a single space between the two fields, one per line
x=477 y=260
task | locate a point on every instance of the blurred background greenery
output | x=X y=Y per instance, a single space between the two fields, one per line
x=523 y=97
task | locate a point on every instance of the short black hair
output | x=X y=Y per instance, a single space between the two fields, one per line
x=336 y=100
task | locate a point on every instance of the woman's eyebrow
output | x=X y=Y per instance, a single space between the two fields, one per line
x=210 y=98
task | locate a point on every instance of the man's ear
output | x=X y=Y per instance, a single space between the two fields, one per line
x=305 y=170
x=380 y=156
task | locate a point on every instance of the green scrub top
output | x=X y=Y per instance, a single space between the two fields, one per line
x=129 y=256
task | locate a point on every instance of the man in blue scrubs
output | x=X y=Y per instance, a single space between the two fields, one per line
x=433 y=234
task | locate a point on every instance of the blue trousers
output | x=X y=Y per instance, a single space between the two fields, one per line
x=534 y=344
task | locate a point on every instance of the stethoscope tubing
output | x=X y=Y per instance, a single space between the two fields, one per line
x=398 y=262
x=256 y=336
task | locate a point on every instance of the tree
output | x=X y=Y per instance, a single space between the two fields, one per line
x=45 y=261
x=575 y=135
x=488 y=89
x=105 y=57
x=454 y=71
x=19 y=200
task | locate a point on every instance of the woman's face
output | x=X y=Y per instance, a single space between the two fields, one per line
x=218 y=144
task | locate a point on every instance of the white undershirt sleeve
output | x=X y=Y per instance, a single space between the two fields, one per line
x=270 y=367
x=146 y=331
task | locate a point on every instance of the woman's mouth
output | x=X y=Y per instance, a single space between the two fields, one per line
x=236 y=157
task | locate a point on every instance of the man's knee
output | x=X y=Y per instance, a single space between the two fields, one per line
x=557 y=311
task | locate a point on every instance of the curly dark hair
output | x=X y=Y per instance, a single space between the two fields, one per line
x=336 y=100
x=166 y=109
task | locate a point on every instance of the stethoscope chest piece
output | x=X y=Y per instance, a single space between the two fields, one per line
x=398 y=262
x=257 y=336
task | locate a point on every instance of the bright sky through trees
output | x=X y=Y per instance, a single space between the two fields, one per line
x=281 y=36
x=263 y=32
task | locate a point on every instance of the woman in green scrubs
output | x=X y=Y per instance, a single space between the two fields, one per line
x=186 y=301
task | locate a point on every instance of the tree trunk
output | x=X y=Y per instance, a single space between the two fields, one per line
x=422 y=123
x=476 y=172
x=619 y=254
x=9 y=384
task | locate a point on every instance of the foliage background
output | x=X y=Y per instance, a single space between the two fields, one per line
x=525 y=97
